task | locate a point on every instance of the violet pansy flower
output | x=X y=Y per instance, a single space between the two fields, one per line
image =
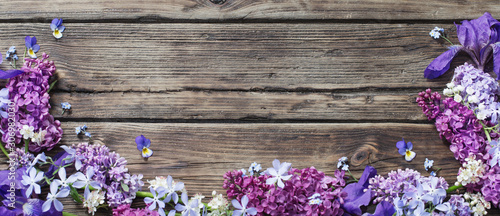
x=405 y=148
x=57 y=28
x=143 y=146
x=480 y=40
x=31 y=46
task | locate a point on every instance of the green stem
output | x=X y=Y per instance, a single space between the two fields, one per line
x=486 y=131
x=453 y=188
x=143 y=194
x=26 y=145
x=25 y=51
x=4 y=150
x=52 y=86
x=447 y=40
x=68 y=214
x=352 y=175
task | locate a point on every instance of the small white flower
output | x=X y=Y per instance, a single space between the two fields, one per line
x=457 y=98
x=470 y=91
x=447 y=92
x=27 y=132
x=460 y=88
x=94 y=199
x=38 y=138
x=450 y=85
x=159 y=181
x=471 y=171
x=218 y=202
x=473 y=99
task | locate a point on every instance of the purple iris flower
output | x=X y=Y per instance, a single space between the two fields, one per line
x=357 y=196
x=480 y=40
x=31 y=46
x=143 y=146
x=383 y=208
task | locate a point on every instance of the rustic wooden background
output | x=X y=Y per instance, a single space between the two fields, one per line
x=218 y=84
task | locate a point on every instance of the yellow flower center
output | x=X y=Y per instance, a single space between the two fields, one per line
x=30 y=51
x=145 y=150
x=408 y=153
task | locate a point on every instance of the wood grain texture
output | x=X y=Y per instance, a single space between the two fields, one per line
x=220 y=10
x=210 y=105
x=199 y=154
x=289 y=57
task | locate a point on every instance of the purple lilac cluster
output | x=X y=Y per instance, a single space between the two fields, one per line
x=456 y=123
x=307 y=192
x=110 y=171
x=125 y=209
x=459 y=205
x=479 y=88
x=491 y=186
x=28 y=92
x=21 y=158
x=397 y=183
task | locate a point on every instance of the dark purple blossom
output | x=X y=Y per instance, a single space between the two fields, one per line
x=479 y=39
x=357 y=193
x=143 y=146
x=29 y=94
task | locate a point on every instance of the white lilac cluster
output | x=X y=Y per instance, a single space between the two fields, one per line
x=471 y=171
x=218 y=205
x=94 y=199
x=477 y=203
x=478 y=90
x=28 y=133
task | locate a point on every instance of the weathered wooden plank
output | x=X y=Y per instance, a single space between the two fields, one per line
x=199 y=154
x=205 y=105
x=296 y=57
x=246 y=9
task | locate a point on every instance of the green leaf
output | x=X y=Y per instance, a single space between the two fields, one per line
x=125 y=187
x=74 y=194
x=52 y=85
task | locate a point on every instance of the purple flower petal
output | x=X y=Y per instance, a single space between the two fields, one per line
x=9 y=73
x=62 y=28
x=496 y=59
x=55 y=22
x=236 y=204
x=252 y=211
x=442 y=63
x=36 y=48
x=27 y=42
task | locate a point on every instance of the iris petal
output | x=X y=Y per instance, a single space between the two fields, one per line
x=442 y=63
x=9 y=73
x=496 y=59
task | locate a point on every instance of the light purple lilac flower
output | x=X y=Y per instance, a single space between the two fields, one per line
x=279 y=173
x=242 y=207
x=125 y=209
x=30 y=179
x=433 y=193
x=21 y=158
x=52 y=198
x=479 y=39
x=152 y=202
x=495 y=153
x=110 y=171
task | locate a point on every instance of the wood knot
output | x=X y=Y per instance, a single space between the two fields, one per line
x=363 y=154
x=219 y=2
